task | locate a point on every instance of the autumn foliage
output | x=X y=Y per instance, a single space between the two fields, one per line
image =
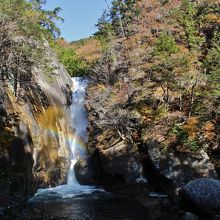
x=165 y=56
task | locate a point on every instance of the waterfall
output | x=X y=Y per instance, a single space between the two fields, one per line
x=78 y=148
x=80 y=124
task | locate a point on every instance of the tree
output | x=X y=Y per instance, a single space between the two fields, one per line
x=122 y=14
x=187 y=16
x=23 y=25
x=105 y=28
x=68 y=58
x=166 y=45
x=212 y=64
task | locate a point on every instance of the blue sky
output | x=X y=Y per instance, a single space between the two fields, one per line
x=80 y=16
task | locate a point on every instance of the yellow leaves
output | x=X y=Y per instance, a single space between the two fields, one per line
x=101 y=87
x=159 y=92
x=30 y=13
x=149 y=114
x=146 y=113
x=183 y=49
x=209 y=131
x=214 y=18
x=191 y=127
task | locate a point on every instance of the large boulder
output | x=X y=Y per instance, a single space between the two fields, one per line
x=180 y=167
x=84 y=171
x=121 y=160
x=203 y=195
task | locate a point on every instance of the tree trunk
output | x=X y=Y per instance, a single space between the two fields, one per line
x=180 y=102
x=167 y=97
x=192 y=95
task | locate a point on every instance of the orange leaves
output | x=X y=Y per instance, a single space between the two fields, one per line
x=191 y=127
x=213 y=18
x=146 y=112
x=154 y=15
x=209 y=131
x=62 y=42
x=90 y=51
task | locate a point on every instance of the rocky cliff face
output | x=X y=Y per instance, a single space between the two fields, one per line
x=35 y=129
x=117 y=159
x=131 y=136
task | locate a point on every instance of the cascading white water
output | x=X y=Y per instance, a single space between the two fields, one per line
x=80 y=124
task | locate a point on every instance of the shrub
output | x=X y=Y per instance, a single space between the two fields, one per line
x=184 y=137
x=166 y=45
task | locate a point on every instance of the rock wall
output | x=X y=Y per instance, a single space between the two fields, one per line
x=36 y=128
x=116 y=158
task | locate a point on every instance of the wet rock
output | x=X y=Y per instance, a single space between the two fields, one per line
x=189 y=216
x=84 y=171
x=203 y=194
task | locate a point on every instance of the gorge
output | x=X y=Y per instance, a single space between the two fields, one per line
x=80 y=201
x=124 y=124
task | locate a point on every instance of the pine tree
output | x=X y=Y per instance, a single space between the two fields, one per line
x=187 y=16
x=122 y=14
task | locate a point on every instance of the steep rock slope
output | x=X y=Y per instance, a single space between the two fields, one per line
x=36 y=129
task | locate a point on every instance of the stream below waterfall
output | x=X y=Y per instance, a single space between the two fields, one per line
x=74 y=201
